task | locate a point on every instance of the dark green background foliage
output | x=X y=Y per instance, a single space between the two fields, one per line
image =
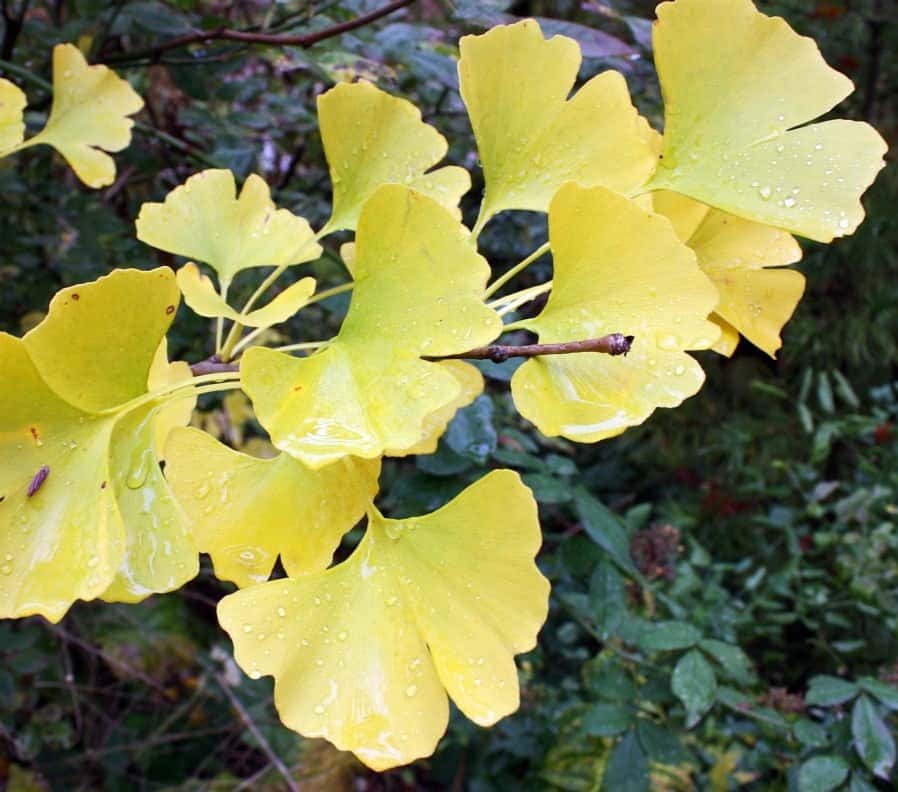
x=725 y=579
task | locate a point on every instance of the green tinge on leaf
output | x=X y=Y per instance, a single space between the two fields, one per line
x=203 y=299
x=205 y=219
x=89 y=115
x=247 y=511
x=365 y=653
x=530 y=136
x=622 y=271
x=738 y=86
x=418 y=291
x=84 y=511
x=372 y=138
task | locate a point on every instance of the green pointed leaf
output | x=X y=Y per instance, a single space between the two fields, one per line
x=872 y=739
x=628 y=767
x=887 y=694
x=822 y=773
x=694 y=684
x=603 y=528
x=826 y=691
x=607 y=720
x=734 y=661
x=668 y=635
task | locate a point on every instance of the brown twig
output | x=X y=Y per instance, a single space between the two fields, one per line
x=264 y=39
x=613 y=344
x=213 y=365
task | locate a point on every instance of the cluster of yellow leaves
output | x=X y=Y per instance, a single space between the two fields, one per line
x=680 y=241
x=88 y=117
x=103 y=523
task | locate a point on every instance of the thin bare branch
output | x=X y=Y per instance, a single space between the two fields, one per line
x=263 y=39
x=613 y=344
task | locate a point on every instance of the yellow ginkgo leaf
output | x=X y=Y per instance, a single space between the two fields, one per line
x=531 y=137
x=418 y=291
x=89 y=115
x=175 y=413
x=471 y=382
x=246 y=511
x=736 y=253
x=98 y=341
x=205 y=219
x=372 y=138
x=737 y=87
x=623 y=272
x=201 y=296
x=729 y=336
x=83 y=505
x=365 y=653
x=12 y=123
x=160 y=549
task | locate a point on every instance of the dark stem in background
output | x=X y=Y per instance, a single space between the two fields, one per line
x=612 y=344
x=263 y=39
x=12 y=26
x=876 y=24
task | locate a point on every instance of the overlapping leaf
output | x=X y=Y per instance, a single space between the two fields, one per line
x=201 y=296
x=372 y=138
x=205 y=219
x=418 y=291
x=740 y=257
x=530 y=136
x=626 y=272
x=88 y=117
x=12 y=123
x=365 y=653
x=246 y=511
x=738 y=86
x=102 y=521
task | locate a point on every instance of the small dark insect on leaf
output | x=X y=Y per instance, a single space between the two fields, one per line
x=38 y=481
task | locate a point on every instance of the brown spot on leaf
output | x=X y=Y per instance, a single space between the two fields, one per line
x=170 y=310
x=76 y=297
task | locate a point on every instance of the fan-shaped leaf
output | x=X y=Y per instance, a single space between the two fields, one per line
x=365 y=653
x=626 y=272
x=738 y=85
x=418 y=291
x=531 y=137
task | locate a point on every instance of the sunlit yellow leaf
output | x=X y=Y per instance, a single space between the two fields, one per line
x=205 y=219
x=729 y=336
x=82 y=502
x=471 y=382
x=372 y=138
x=418 y=291
x=202 y=297
x=365 y=653
x=246 y=511
x=12 y=124
x=66 y=540
x=738 y=86
x=736 y=253
x=89 y=115
x=626 y=272
x=98 y=342
x=531 y=137
x=160 y=550
x=175 y=413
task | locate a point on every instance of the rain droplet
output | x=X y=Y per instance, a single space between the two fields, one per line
x=247 y=628
x=282 y=612
x=411 y=690
x=765 y=192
